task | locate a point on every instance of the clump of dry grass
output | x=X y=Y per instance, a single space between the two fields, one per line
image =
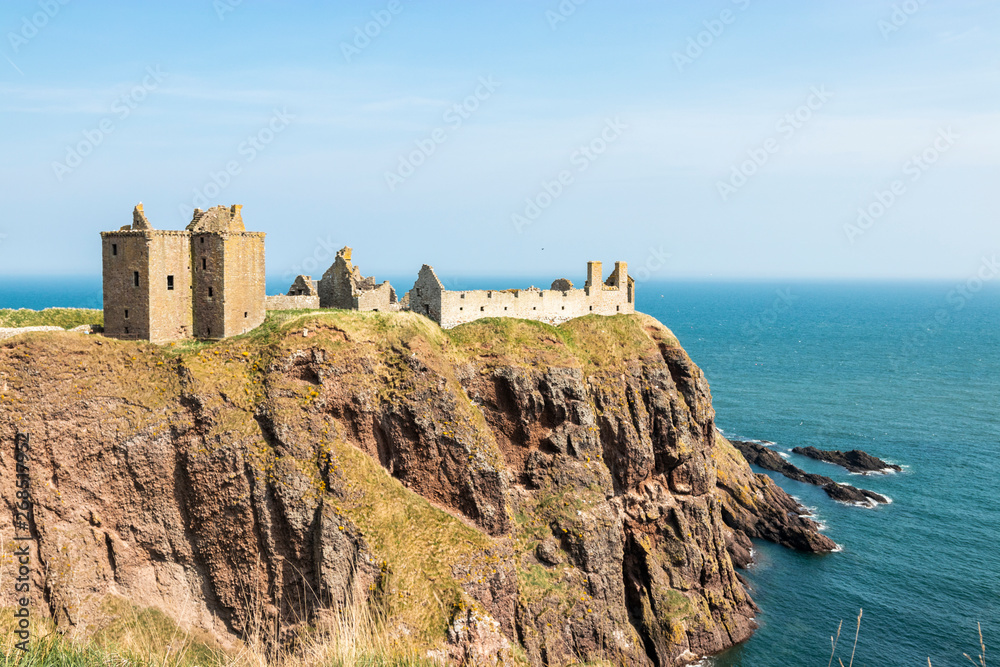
x=356 y=636
x=980 y=659
x=982 y=650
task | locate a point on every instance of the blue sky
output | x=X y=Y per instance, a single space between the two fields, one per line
x=723 y=139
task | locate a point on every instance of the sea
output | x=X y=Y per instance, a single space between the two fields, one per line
x=908 y=372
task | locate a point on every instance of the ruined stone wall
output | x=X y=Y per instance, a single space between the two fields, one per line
x=343 y=286
x=304 y=286
x=244 y=292
x=553 y=306
x=335 y=287
x=169 y=286
x=297 y=302
x=381 y=298
x=425 y=296
x=533 y=304
x=126 y=307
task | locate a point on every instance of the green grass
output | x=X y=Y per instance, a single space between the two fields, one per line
x=129 y=636
x=67 y=318
x=590 y=342
x=133 y=637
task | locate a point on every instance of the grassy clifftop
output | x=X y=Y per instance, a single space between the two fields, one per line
x=67 y=318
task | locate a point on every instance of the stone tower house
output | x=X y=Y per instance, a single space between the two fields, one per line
x=206 y=281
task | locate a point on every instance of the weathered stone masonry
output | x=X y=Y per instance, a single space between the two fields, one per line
x=303 y=294
x=560 y=303
x=343 y=286
x=206 y=281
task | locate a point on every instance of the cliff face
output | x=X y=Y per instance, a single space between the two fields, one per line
x=556 y=495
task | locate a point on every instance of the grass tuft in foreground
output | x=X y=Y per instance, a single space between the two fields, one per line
x=149 y=638
x=979 y=661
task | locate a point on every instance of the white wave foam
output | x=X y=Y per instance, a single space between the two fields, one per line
x=837 y=548
x=783 y=455
x=883 y=471
x=864 y=504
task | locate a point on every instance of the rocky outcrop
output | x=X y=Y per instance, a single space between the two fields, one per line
x=846 y=493
x=854 y=460
x=562 y=492
x=768 y=459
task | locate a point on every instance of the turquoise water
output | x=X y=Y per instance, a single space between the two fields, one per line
x=844 y=367
x=837 y=367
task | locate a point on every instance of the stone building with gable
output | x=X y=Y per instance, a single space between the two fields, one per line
x=303 y=294
x=206 y=281
x=343 y=286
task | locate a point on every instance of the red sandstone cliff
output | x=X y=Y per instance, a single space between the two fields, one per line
x=552 y=494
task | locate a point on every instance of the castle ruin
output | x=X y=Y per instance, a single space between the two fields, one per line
x=206 y=281
x=559 y=303
x=343 y=286
x=303 y=294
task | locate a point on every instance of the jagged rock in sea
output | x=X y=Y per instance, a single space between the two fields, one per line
x=854 y=460
x=506 y=486
x=768 y=459
x=846 y=493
